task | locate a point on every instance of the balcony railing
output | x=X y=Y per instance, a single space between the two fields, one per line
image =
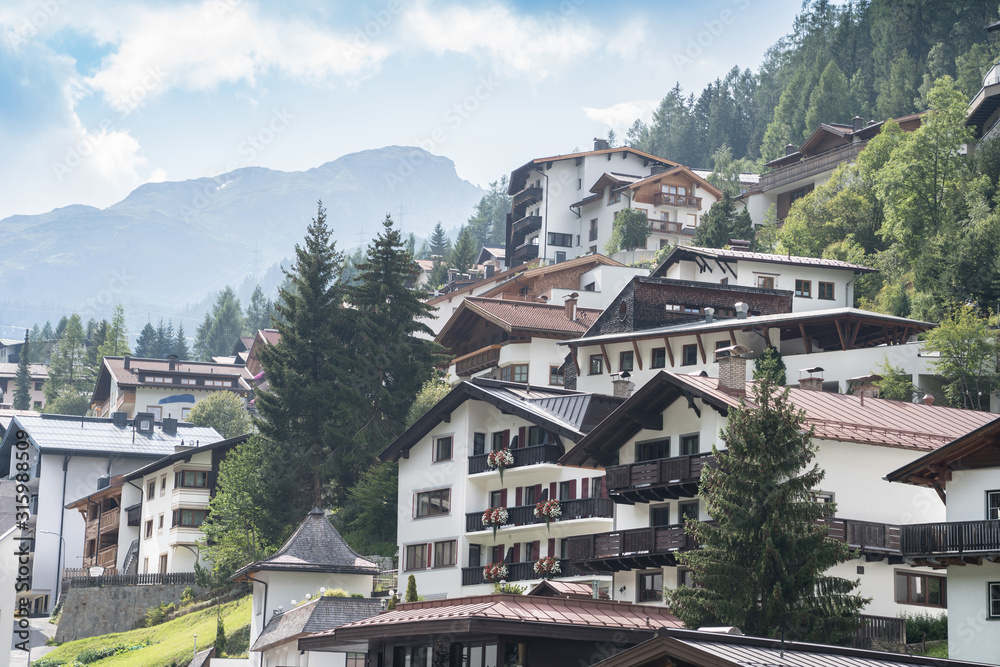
x=867 y=536
x=110 y=519
x=810 y=166
x=526 y=251
x=672 y=199
x=666 y=227
x=528 y=196
x=525 y=226
x=660 y=479
x=951 y=538
x=480 y=360
x=629 y=549
x=523 y=456
x=472 y=576
x=524 y=515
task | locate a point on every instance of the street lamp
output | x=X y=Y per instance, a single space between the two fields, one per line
x=195 y=655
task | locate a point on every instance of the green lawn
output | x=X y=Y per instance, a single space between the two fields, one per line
x=169 y=642
x=938 y=651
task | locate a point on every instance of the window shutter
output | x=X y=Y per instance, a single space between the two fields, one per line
x=503 y=497
x=517 y=497
x=552 y=546
x=535 y=546
x=506 y=437
x=521 y=442
x=516 y=558
x=501 y=554
x=538 y=493
x=430 y=554
x=553 y=491
x=572 y=489
x=584 y=487
x=177 y=479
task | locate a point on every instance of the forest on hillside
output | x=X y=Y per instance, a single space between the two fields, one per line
x=876 y=60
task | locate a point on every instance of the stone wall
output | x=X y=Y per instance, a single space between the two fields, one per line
x=89 y=612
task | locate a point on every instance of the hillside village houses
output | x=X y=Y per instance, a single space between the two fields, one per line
x=39 y=374
x=72 y=457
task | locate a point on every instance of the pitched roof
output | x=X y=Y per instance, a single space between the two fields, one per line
x=495 y=279
x=574 y=589
x=547 y=318
x=673 y=171
x=839 y=417
x=680 y=253
x=36 y=371
x=976 y=449
x=62 y=434
x=515 y=182
x=539 y=615
x=567 y=413
x=323 y=613
x=140 y=367
x=315 y=546
x=184 y=453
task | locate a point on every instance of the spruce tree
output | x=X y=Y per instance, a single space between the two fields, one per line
x=69 y=372
x=770 y=365
x=202 y=348
x=724 y=222
x=116 y=341
x=466 y=251
x=22 y=377
x=762 y=565
x=310 y=410
x=411 y=589
x=439 y=242
x=146 y=343
x=259 y=312
x=227 y=323
x=180 y=346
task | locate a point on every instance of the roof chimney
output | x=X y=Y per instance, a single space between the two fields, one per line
x=571 y=306
x=623 y=385
x=601 y=144
x=128 y=362
x=865 y=386
x=171 y=361
x=489 y=270
x=790 y=148
x=119 y=419
x=857 y=123
x=657 y=169
x=169 y=425
x=732 y=369
x=812 y=383
x=739 y=244
x=741 y=310
x=709 y=314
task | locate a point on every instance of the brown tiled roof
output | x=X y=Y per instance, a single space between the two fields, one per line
x=272 y=336
x=36 y=371
x=683 y=252
x=497 y=278
x=576 y=589
x=603 y=151
x=534 y=316
x=560 y=613
x=679 y=169
x=976 y=449
x=130 y=375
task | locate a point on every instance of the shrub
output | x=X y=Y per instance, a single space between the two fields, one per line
x=935 y=627
x=159 y=613
x=411 y=589
x=220 y=638
x=188 y=596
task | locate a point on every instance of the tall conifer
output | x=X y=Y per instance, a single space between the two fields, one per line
x=22 y=377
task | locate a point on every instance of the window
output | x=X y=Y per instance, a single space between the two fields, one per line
x=191 y=479
x=803 y=288
x=529 y=496
x=623 y=311
x=921 y=589
x=499 y=440
x=514 y=373
x=596 y=364
x=562 y=240
x=652 y=450
x=38 y=386
x=145 y=565
x=596 y=487
x=37 y=404
x=185 y=414
x=685 y=578
x=993 y=504
x=767 y=282
x=826 y=291
x=442 y=449
x=593 y=229
x=539 y=436
x=659 y=357
x=825 y=497
x=163 y=563
x=557 y=376
x=444 y=553
x=154 y=410
x=659 y=516
x=190 y=381
x=433 y=503
x=151 y=490
x=416 y=557
x=613 y=197
x=478 y=444
x=626 y=360
x=650 y=586
x=563 y=491
x=163 y=484
x=993 y=591
x=159 y=525
x=218 y=383
x=496 y=499
x=689 y=355
x=528 y=552
x=475 y=555
x=189 y=518
x=689 y=444
x=149 y=529
x=158 y=379
x=356 y=660
x=688 y=510
x=560 y=256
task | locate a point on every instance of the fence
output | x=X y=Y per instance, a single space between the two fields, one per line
x=130 y=580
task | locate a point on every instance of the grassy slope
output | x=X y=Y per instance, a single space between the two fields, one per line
x=169 y=641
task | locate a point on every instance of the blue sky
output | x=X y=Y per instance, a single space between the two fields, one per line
x=100 y=96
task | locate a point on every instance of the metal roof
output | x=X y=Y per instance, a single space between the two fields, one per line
x=323 y=613
x=728 y=255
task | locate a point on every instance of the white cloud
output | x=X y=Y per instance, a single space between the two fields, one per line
x=158 y=175
x=199 y=47
x=620 y=117
x=518 y=44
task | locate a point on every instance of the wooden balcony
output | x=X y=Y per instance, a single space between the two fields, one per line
x=635 y=549
x=109 y=520
x=524 y=515
x=525 y=226
x=106 y=558
x=661 y=479
x=666 y=227
x=875 y=541
x=528 y=196
x=526 y=252
x=472 y=576
x=90 y=532
x=671 y=199
x=480 y=360
x=523 y=456
x=810 y=166
x=952 y=542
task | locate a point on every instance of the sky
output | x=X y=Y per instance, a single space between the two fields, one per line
x=98 y=96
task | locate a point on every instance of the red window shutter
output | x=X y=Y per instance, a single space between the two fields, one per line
x=430 y=554
x=552 y=491
x=517 y=497
x=572 y=489
x=506 y=438
x=584 y=487
x=552 y=546
x=503 y=497
x=535 y=546
x=521 y=442
x=500 y=553
x=538 y=493
x=516 y=558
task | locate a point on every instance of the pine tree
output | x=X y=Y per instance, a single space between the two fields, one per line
x=465 y=252
x=440 y=244
x=95 y=341
x=227 y=323
x=220 y=637
x=830 y=101
x=259 y=312
x=310 y=410
x=163 y=341
x=488 y=225
x=771 y=366
x=202 y=348
x=724 y=221
x=180 y=346
x=762 y=565
x=69 y=372
x=147 y=344
x=116 y=341
x=22 y=377
x=47 y=333
x=411 y=589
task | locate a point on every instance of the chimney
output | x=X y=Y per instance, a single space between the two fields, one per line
x=103 y=482
x=741 y=245
x=571 y=306
x=928 y=399
x=169 y=425
x=732 y=369
x=171 y=362
x=790 y=148
x=119 y=419
x=452 y=275
x=128 y=362
x=656 y=169
x=709 y=314
x=865 y=386
x=815 y=380
x=857 y=123
x=489 y=270
x=601 y=144
x=623 y=385
x=741 y=310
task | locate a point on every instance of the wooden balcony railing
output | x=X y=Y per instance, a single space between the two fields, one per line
x=867 y=536
x=472 y=576
x=666 y=227
x=951 y=538
x=524 y=515
x=660 y=479
x=108 y=556
x=523 y=456
x=480 y=360
x=526 y=251
x=671 y=199
x=525 y=226
x=90 y=533
x=528 y=196
x=110 y=519
x=810 y=166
